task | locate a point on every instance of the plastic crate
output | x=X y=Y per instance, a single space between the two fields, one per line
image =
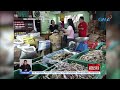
x=97 y=76
x=38 y=67
x=81 y=53
x=54 y=53
x=100 y=45
x=40 y=58
x=36 y=59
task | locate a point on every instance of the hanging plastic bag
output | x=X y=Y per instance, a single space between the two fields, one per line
x=42 y=45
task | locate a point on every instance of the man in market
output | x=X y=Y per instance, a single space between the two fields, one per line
x=82 y=27
x=25 y=67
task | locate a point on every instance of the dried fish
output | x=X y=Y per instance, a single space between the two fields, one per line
x=62 y=56
x=95 y=55
x=64 y=66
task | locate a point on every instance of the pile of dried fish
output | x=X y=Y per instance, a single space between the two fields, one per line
x=95 y=55
x=62 y=56
x=102 y=38
x=104 y=47
x=63 y=66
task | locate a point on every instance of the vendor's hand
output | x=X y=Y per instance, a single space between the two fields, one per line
x=82 y=28
x=25 y=69
x=63 y=29
x=64 y=34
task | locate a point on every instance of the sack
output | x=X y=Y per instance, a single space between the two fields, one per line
x=28 y=54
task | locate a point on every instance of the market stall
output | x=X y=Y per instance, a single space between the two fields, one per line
x=47 y=53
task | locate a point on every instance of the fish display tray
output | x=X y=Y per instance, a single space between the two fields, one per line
x=40 y=59
x=49 y=56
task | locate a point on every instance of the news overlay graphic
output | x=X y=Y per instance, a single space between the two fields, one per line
x=94 y=67
x=64 y=72
x=25 y=66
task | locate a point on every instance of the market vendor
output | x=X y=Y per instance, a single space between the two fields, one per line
x=53 y=26
x=70 y=31
x=82 y=28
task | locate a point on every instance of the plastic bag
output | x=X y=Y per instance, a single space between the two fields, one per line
x=81 y=47
x=91 y=44
x=20 y=37
x=72 y=45
x=42 y=45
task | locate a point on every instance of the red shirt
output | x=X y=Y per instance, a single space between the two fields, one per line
x=83 y=33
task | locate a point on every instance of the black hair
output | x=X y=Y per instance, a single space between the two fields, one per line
x=70 y=22
x=82 y=17
x=51 y=21
x=25 y=60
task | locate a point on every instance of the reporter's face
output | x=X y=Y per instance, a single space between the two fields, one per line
x=25 y=63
